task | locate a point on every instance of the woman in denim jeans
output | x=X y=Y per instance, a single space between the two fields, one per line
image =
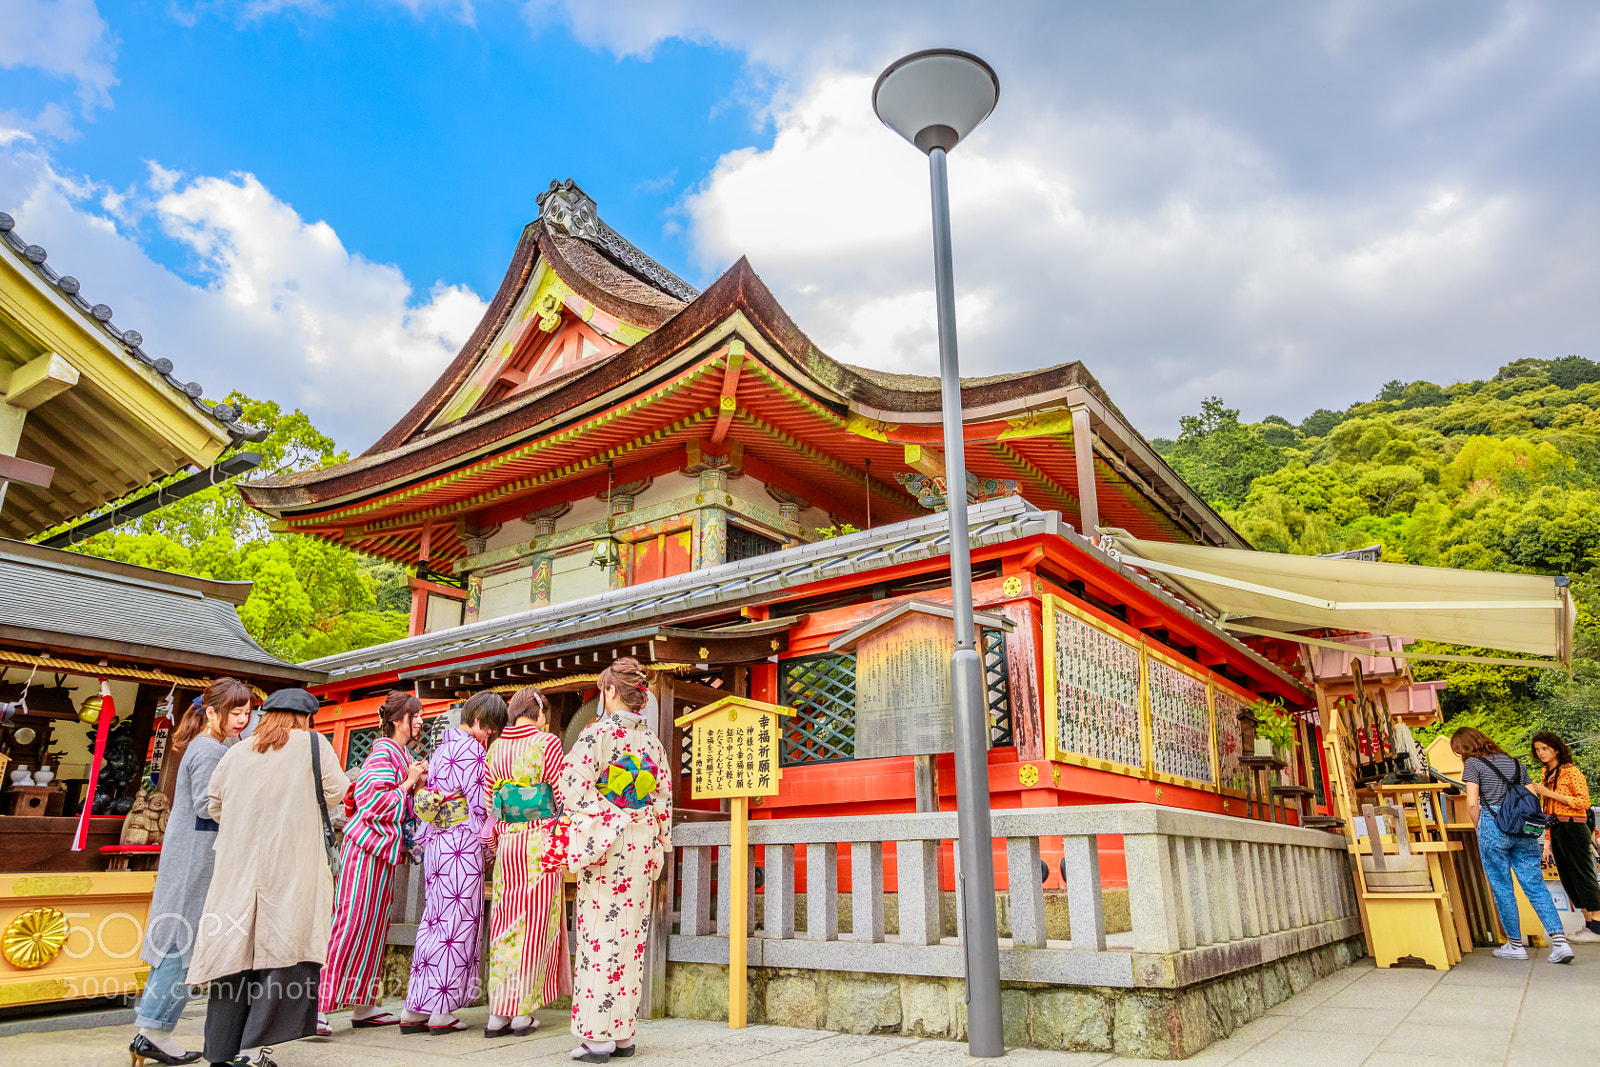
x=184 y=875
x=1488 y=773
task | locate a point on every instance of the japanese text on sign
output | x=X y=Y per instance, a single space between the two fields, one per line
x=735 y=754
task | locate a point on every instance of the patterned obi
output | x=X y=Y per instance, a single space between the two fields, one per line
x=628 y=781
x=440 y=810
x=518 y=801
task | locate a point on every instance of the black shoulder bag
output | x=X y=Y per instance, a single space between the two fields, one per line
x=322 y=803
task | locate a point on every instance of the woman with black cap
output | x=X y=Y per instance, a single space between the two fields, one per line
x=263 y=935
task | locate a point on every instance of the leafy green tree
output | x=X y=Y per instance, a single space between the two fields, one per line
x=1218 y=455
x=310 y=597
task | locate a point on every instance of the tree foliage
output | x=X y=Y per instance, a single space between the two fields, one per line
x=1502 y=475
x=310 y=598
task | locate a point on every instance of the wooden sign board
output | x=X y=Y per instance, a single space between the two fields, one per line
x=736 y=754
x=903 y=705
x=736 y=748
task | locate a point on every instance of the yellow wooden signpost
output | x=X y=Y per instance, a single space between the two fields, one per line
x=735 y=753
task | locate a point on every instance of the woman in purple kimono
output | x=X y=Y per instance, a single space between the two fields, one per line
x=444 y=965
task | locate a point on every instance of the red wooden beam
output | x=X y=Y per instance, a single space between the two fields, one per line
x=25 y=471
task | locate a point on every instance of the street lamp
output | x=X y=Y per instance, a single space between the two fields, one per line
x=933 y=99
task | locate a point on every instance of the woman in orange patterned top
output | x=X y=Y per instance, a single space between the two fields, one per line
x=1566 y=801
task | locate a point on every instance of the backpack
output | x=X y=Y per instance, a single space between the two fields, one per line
x=1520 y=813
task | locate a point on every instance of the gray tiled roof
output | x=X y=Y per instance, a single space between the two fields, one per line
x=752 y=581
x=747 y=581
x=65 y=601
x=130 y=340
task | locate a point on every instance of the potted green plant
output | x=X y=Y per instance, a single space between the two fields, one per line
x=1276 y=729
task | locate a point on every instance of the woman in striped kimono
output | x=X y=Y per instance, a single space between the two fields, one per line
x=373 y=842
x=617 y=824
x=444 y=967
x=526 y=946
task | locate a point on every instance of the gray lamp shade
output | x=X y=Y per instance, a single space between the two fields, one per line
x=935 y=98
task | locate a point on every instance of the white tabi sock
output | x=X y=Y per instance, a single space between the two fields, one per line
x=164 y=1041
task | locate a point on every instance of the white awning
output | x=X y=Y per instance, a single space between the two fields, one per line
x=1526 y=613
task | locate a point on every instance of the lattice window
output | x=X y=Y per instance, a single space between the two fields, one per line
x=822 y=691
x=745 y=544
x=997 y=684
x=359 y=746
x=1180 y=722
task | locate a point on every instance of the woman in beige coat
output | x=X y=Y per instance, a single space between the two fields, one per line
x=263 y=935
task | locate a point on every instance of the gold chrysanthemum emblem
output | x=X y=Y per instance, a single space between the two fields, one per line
x=35 y=937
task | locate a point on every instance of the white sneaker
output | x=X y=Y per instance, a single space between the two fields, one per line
x=1512 y=952
x=1561 y=953
x=1585 y=936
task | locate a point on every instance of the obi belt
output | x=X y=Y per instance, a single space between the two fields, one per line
x=627 y=782
x=515 y=801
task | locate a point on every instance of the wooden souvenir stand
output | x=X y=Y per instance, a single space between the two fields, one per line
x=1403 y=850
x=735 y=754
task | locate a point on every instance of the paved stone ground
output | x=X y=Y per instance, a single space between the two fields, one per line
x=1486 y=1011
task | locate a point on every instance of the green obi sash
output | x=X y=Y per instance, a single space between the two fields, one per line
x=520 y=801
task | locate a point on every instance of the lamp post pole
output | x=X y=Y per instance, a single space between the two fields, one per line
x=975 y=888
x=933 y=99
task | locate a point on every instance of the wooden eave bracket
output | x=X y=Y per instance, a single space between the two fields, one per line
x=728 y=403
x=38 y=380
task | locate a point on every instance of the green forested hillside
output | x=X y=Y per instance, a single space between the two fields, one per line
x=1501 y=474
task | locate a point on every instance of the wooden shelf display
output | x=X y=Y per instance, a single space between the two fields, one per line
x=1405 y=868
x=1117 y=703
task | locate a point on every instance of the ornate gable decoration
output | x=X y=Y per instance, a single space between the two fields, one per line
x=568 y=210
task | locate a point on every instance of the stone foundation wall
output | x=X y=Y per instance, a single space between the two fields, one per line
x=1151 y=1024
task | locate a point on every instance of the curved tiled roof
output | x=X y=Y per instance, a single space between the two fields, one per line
x=62 y=600
x=130 y=340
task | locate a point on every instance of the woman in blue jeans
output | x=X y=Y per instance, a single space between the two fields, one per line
x=1489 y=774
x=216 y=716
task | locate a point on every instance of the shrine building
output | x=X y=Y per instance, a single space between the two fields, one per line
x=616 y=464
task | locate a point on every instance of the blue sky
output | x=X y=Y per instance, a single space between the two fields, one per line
x=1282 y=204
x=424 y=141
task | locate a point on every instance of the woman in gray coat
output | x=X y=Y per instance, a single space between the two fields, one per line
x=184 y=875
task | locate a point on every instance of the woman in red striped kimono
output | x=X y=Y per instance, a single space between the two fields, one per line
x=526 y=946
x=373 y=841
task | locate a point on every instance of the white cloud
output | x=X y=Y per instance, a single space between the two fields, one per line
x=65 y=39
x=280 y=308
x=1284 y=205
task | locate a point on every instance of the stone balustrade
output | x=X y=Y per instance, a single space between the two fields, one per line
x=1208 y=895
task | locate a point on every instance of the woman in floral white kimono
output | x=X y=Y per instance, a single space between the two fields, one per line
x=527 y=949
x=618 y=824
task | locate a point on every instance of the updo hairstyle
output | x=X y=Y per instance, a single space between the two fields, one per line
x=629 y=679
x=398 y=705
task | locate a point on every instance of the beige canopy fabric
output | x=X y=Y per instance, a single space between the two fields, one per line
x=1526 y=613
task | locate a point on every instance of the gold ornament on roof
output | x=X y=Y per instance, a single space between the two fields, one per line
x=34 y=938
